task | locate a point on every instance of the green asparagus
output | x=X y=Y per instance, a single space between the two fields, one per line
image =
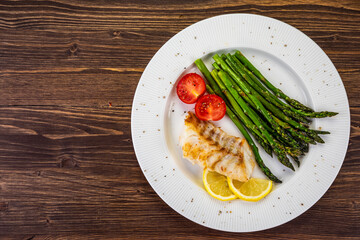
x=255 y=107
x=246 y=135
x=279 y=152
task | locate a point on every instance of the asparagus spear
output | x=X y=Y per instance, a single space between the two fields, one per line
x=216 y=66
x=321 y=132
x=246 y=135
x=291 y=151
x=306 y=148
x=293 y=143
x=275 y=90
x=241 y=70
x=261 y=89
x=243 y=117
x=251 y=94
x=238 y=100
x=243 y=95
x=294 y=132
x=269 y=106
x=299 y=135
x=299 y=107
x=247 y=99
x=241 y=114
x=262 y=143
x=296 y=159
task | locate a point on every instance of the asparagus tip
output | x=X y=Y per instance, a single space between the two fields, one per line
x=289 y=165
x=277 y=180
x=319 y=139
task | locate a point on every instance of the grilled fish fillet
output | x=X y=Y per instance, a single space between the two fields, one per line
x=210 y=147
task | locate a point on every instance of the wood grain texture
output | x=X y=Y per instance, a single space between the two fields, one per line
x=67 y=165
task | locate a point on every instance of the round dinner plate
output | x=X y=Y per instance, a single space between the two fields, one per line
x=292 y=62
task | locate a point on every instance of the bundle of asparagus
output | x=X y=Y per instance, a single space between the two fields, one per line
x=255 y=106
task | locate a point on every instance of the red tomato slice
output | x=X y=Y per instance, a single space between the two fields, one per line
x=210 y=107
x=190 y=88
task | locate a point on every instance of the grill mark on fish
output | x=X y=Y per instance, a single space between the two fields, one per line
x=215 y=135
x=212 y=166
x=212 y=132
x=209 y=146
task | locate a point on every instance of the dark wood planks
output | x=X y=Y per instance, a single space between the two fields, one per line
x=81 y=176
x=56 y=37
x=67 y=166
x=70 y=86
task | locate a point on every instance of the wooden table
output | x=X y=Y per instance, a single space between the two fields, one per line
x=68 y=72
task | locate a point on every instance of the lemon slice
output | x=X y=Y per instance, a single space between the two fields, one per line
x=252 y=190
x=217 y=186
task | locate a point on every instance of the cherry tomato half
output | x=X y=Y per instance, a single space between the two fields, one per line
x=190 y=88
x=210 y=107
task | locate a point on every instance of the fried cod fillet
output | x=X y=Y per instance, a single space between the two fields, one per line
x=210 y=147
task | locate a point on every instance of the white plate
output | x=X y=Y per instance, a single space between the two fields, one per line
x=290 y=60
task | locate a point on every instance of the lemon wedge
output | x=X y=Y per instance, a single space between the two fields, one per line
x=252 y=190
x=217 y=186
